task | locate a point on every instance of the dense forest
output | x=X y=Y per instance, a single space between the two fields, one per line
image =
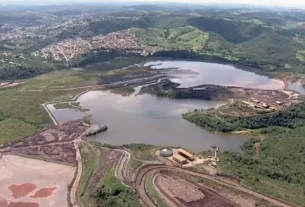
x=232 y=31
x=99 y=56
x=279 y=167
x=21 y=72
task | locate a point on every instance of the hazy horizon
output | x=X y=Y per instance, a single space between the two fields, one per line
x=281 y=3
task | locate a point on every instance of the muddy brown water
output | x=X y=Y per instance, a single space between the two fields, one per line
x=191 y=73
x=151 y=120
x=297 y=87
x=22 y=190
x=44 y=192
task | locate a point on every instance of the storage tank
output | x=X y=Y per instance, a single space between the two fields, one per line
x=166 y=152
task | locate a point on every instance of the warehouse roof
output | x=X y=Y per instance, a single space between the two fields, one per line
x=186 y=153
x=179 y=158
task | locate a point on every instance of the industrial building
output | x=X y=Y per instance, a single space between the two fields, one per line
x=166 y=152
x=186 y=154
x=179 y=159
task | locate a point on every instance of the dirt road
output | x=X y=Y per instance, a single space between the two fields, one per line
x=78 y=176
x=151 y=169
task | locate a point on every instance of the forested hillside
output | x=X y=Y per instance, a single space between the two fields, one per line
x=277 y=166
x=292 y=118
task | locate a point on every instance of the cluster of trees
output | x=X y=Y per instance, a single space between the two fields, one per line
x=281 y=159
x=280 y=164
x=117 y=196
x=292 y=118
x=100 y=55
x=21 y=72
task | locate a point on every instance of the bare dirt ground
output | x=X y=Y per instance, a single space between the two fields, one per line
x=33 y=183
x=184 y=193
x=221 y=193
x=179 y=188
x=54 y=144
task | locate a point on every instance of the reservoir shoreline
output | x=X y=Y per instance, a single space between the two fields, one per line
x=143 y=118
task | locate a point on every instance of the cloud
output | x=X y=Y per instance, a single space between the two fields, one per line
x=295 y=3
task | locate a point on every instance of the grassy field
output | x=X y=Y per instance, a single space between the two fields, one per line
x=271 y=45
x=134 y=164
x=143 y=151
x=176 y=38
x=153 y=193
x=21 y=112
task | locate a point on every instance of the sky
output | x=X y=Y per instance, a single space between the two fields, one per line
x=288 y=3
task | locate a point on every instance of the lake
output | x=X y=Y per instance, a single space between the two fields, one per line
x=297 y=87
x=153 y=120
x=190 y=74
x=148 y=119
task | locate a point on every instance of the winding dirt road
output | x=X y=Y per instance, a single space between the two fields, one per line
x=78 y=176
x=152 y=169
x=139 y=183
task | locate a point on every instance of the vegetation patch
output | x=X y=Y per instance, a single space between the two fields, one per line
x=91 y=159
x=153 y=193
x=125 y=91
x=300 y=55
x=114 y=193
x=213 y=120
x=232 y=30
x=175 y=38
x=279 y=169
x=21 y=106
x=279 y=164
x=12 y=129
x=143 y=151
x=134 y=164
x=70 y=105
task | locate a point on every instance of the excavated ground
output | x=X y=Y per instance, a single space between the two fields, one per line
x=185 y=194
x=54 y=144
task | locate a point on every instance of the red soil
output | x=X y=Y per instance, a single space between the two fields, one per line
x=4 y=203
x=22 y=190
x=23 y=204
x=44 y=192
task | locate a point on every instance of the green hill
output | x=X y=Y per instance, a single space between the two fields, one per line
x=234 y=31
x=175 y=38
